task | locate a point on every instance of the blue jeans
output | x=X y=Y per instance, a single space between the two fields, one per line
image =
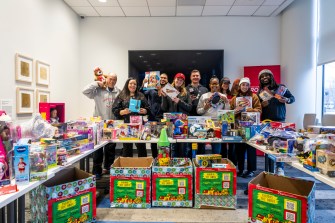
x=216 y=148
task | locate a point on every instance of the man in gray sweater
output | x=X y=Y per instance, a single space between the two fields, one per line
x=103 y=94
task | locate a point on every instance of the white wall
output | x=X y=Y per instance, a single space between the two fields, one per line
x=47 y=31
x=298 y=58
x=105 y=42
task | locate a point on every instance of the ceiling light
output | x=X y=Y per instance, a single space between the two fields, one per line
x=144 y=61
x=104 y=1
x=153 y=54
x=140 y=56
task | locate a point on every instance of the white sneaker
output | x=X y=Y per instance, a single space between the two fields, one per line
x=280 y=171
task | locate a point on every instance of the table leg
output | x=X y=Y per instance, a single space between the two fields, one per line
x=11 y=213
x=87 y=159
x=82 y=164
x=266 y=161
x=3 y=214
x=21 y=209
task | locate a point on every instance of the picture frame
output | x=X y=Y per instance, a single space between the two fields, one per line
x=23 y=68
x=42 y=73
x=24 y=100
x=42 y=96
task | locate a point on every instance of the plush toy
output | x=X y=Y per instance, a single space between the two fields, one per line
x=99 y=76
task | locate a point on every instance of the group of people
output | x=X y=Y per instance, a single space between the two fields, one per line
x=193 y=100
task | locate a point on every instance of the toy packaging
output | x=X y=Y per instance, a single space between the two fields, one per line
x=134 y=105
x=215 y=187
x=274 y=198
x=151 y=80
x=244 y=102
x=226 y=115
x=197 y=127
x=130 y=182
x=208 y=159
x=129 y=131
x=253 y=117
x=172 y=185
x=170 y=91
x=38 y=163
x=177 y=124
x=325 y=161
x=70 y=196
x=21 y=163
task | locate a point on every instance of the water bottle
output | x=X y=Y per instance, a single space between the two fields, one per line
x=224 y=128
x=208 y=147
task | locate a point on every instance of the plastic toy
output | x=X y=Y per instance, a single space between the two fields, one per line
x=177 y=127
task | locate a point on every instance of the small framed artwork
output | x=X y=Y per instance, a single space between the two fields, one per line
x=24 y=100
x=23 y=68
x=42 y=96
x=42 y=73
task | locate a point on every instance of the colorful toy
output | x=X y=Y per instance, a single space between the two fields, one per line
x=4 y=167
x=21 y=163
x=99 y=76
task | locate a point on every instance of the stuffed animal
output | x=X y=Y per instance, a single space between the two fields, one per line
x=99 y=76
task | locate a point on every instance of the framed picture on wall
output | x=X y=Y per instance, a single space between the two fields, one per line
x=42 y=96
x=42 y=73
x=23 y=68
x=24 y=100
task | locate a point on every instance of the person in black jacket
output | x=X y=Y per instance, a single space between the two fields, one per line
x=121 y=111
x=274 y=98
x=181 y=103
x=195 y=89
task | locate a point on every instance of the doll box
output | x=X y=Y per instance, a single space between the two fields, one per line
x=130 y=182
x=172 y=186
x=281 y=199
x=215 y=187
x=70 y=196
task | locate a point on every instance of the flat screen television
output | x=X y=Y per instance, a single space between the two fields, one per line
x=208 y=62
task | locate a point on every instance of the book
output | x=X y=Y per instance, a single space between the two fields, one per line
x=151 y=80
x=245 y=102
x=265 y=95
x=170 y=91
x=134 y=105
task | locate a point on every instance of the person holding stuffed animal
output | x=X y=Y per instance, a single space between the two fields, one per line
x=104 y=98
x=209 y=104
x=238 y=106
x=122 y=112
x=274 y=98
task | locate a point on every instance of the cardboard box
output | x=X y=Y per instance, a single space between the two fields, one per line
x=70 y=196
x=274 y=198
x=130 y=182
x=172 y=186
x=325 y=161
x=215 y=187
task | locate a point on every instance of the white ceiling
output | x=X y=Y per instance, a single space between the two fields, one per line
x=172 y=8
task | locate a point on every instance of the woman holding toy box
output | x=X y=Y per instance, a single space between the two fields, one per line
x=122 y=110
x=247 y=101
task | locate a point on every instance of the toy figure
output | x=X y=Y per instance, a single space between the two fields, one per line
x=21 y=165
x=53 y=116
x=177 y=127
x=99 y=76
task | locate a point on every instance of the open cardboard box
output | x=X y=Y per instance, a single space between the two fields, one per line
x=280 y=198
x=130 y=182
x=67 y=197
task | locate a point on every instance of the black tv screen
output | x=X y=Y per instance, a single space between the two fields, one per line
x=208 y=62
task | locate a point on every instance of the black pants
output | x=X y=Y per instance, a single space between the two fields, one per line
x=228 y=151
x=154 y=150
x=109 y=153
x=128 y=150
x=240 y=149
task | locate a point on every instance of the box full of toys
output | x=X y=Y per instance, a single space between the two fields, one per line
x=274 y=198
x=215 y=185
x=172 y=184
x=177 y=125
x=70 y=196
x=130 y=182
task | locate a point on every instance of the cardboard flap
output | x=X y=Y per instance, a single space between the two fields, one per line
x=133 y=162
x=67 y=175
x=285 y=184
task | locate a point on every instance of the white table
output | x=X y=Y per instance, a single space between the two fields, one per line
x=10 y=200
x=317 y=175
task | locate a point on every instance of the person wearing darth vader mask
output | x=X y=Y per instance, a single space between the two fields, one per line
x=195 y=90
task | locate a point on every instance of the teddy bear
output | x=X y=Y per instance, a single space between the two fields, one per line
x=99 y=76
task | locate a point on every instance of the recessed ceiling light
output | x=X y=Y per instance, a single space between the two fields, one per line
x=103 y=1
x=140 y=56
x=198 y=53
x=158 y=63
x=153 y=54
x=144 y=61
